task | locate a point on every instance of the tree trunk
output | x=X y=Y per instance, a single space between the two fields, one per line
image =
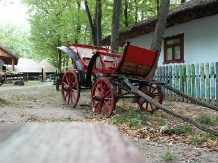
x=182 y=1
x=126 y=13
x=136 y=11
x=115 y=24
x=59 y=56
x=92 y=26
x=98 y=20
x=158 y=33
x=158 y=5
x=78 y=29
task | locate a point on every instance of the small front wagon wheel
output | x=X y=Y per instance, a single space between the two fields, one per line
x=70 y=88
x=103 y=97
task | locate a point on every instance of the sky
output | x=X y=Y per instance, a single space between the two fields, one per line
x=13 y=13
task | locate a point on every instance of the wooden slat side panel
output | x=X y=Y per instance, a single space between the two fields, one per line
x=134 y=68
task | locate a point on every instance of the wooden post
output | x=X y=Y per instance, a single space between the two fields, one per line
x=12 y=63
x=42 y=75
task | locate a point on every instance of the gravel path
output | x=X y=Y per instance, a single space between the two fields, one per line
x=42 y=103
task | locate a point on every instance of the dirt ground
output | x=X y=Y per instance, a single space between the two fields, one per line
x=42 y=103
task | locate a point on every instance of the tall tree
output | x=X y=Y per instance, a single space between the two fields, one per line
x=95 y=23
x=158 y=33
x=126 y=13
x=115 y=24
x=16 y=39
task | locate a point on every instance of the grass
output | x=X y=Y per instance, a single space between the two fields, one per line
x=132 y=117
x=170 y=105
x=33 y=118
x=184 y=129
x=2 y=101
x=216 y=118
x=197 y=139
x=205 y=119
x=29 y=83
x=168 y=157
x=68 y=119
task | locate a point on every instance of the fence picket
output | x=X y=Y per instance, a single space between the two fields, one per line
x=212 y=83
x=193 y=80
x=207 y=81
x=197 y=81
x=202 y=94
x=216 y=83
x=173 y=81
x=177 y=82
x=163 y=79
x=170 y=82
x=181 y=98
x=166 y=80
x=184 y=78
x=188 y=81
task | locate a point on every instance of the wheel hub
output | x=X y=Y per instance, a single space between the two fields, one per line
x=99 y=98
x=66 y=88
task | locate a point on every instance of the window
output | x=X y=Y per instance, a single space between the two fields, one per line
x=174 y=49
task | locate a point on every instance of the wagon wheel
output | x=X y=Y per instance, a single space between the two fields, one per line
x=103 y=97
x=70 y=88
x=57 y=82
x=154 y=91
x=2 y=79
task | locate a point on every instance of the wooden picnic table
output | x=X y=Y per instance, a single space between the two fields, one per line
x=10 y=79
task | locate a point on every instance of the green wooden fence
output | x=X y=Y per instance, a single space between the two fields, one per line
x=199 y=81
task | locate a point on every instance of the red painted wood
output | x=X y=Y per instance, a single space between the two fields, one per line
x=140 y=55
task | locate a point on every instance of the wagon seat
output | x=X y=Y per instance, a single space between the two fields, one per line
x=86 y=52
x=135 y=61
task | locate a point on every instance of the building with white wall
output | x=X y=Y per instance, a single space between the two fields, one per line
x=190 y=36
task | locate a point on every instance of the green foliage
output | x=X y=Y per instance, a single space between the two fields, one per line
x=131 y=117
x=197 y=139
x=169 y=105
x=68 y=119
x=205 y=119
x=216 y=118
x=2 y=101
x=16 y=39
x=184 y=129
x=33 y=118
x=168 y=156
x=54 y=22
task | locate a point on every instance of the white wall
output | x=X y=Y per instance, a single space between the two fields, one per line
x=200 y=40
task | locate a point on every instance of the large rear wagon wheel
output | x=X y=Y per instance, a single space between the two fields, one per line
x=70 y=88
x=103 y=97
x=154 y=91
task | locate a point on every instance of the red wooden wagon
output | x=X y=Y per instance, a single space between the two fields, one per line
x=110 y=76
